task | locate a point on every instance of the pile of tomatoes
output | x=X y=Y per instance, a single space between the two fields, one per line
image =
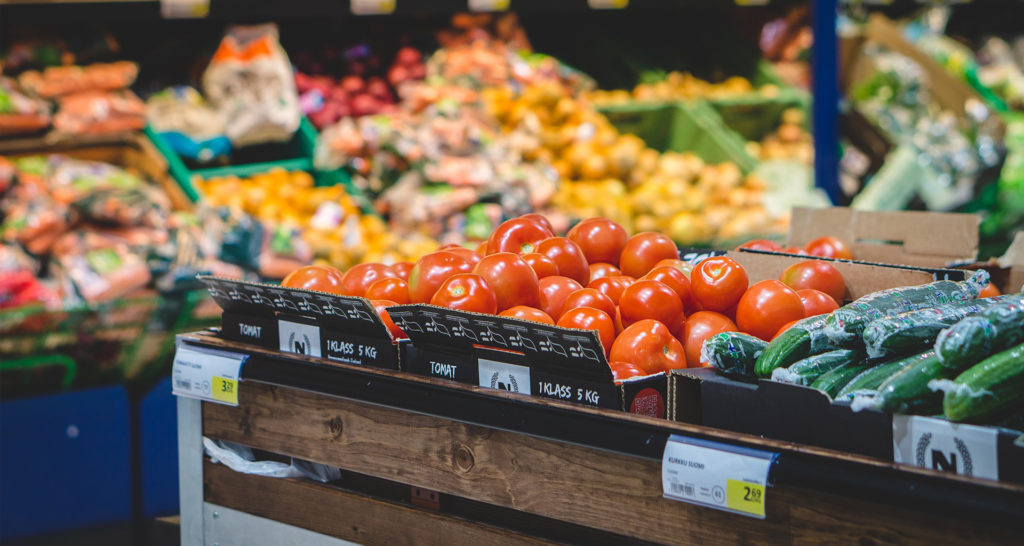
x=822 y=247
x=650 y=311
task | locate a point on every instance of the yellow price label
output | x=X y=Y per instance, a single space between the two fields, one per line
x=744 y=497
x=225 y=390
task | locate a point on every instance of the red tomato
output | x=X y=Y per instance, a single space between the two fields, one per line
x=625 y=370
x=471 y=256
x=481 y=248
x=611 y=287
x=360 y=277
x=527 y=313
x=674 y=279
x=554 y=291
x=518 y=235
x=678 y=264
x=794 y=250
x=717 y=283
x=766 y=307
x=589 y=297
x=829 y=247
x=646 y=299
x=431 y=271
x=588 y=318
x=698 y=328
x=643 y=251
x=316 y=277
x=540 y=219
x=567 y=257
x=402 y=269
x=468 y=292
x=816 y=274
x=391 y=289
x=600 y=239
x=381 y=307
x=785 y=327
x=816 y=302
x=761 y=244
x=989 y=291
x=650 y=346
x=541 y=264
x=513 y=280
x=599 y=270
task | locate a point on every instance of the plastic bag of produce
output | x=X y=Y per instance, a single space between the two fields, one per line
x=105 y=274
x=20 y=113
x=64 y=80
x=975 y=338
x=193 y=128
x=100 y=112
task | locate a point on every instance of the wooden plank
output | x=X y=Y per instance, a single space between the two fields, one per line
x=581 y=485
x=346 y=515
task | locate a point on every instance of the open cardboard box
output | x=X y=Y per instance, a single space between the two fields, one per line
x=1007 y=271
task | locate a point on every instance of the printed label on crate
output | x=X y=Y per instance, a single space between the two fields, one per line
x=298 y=338
x=206 y=374
x=938 y=444
x=350 y=349
x=500 y=375
x=694 y=256
x=708 y=473
x=488 y=5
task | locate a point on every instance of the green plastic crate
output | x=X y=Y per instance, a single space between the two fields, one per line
x=753 y=115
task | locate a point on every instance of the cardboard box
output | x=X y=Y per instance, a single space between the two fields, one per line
x=521 y=356
x=338 y=328
x=1007 y=271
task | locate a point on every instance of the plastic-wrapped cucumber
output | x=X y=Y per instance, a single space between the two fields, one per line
x=803 y=339
x=732 y=353
x=847 y=323
x=806 y=371
x=833 y=381
x=908 y=390
x=976 y=337
x=989 y=388
x=869 y=380
x=915 y=331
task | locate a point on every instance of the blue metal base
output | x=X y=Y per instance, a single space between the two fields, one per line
x=158 y=435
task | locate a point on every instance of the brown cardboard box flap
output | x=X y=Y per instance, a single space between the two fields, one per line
x=1013 y=260
x=926 y=239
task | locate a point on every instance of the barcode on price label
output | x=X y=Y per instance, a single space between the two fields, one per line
x=718 y=475
x=207 y=374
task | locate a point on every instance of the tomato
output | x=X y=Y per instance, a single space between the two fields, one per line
x=698 y=328
x=674 y=279
x=816 y=302
x=471 y=256
x=618 y=321
x=599 y=270
x=829 y=247
x=785 y=327
x=431 y=271
x=360 y=277
x=646 y=299
x=816 y=274
x=554 y=291
x=610 y=287
x=678 y=264
x=625 y=370
x=468 y=292
x=588 y=318
x=518 y=235
x=989 y=291
x=513 y=280
x=481 y=248
x=761 y=244
x=717 y=283
x=643 y=251
x=567 y=257
x=766 y=307
x=600 y=239
x=402 y=269
x=381 y=307
x=589 y=297
x=539 y=219
x=541 y=264
x=650 y=346
x=316 y=277
x=527 y=313
x=391 y=289
x=794 y=250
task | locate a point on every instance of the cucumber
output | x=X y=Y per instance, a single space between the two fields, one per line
x=869 y=380
x=987 y=389
x=908 y=390
x=976 y=337
x=803 y=339
x=806 y=371
x=732 y=353
x=834 y=381
x=914 y=331
x=844 y=325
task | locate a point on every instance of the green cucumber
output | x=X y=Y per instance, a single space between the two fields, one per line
x=844 y=325
x=732 y=353
x=834 y=381
x=976 y=337
x=803 y=339
x=806 y=371
x=914 y=331
x=989 y=388
x=869 y=380
x=908 y=390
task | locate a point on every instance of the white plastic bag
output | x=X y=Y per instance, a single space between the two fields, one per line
x=240 y=459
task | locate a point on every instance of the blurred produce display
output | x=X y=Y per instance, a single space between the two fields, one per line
x=681 y=85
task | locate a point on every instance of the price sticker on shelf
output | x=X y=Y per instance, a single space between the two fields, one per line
x=184 y=9
x=608 y=4
x=488 y=5
x=207 y=374
x=373 y=7
x=729 y=478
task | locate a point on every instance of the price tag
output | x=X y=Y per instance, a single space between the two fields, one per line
x=184 y=9
x=607 y=4
x=373 y=7
x=941 y=445
x=728 y=478
x=207 y=374
x=488 y=5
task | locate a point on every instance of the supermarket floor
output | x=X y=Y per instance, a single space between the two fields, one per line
x=157 y=532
